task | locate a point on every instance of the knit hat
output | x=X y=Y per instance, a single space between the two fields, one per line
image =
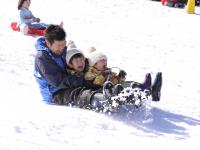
x=71 y=53
x=95 y=56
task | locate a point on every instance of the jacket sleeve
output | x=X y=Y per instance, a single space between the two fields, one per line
x=56 y=76
x=90 y=75
x=24 y=18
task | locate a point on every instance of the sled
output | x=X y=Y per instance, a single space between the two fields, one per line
x=31 y=31
x=129 y=99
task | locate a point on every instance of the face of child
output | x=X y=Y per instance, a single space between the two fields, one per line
x=78 y=64
x=101 y=65
x=26 y=4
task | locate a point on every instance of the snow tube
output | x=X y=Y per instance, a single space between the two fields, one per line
x=31 y=31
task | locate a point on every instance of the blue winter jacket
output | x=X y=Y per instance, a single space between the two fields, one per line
x=25 y=16
x=50 y=72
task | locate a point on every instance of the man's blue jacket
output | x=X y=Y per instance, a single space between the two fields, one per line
x=50 y=72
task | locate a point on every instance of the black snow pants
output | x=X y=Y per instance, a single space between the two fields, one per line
x=80 y=97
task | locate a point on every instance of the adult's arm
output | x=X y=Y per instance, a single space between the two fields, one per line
x=55 y=75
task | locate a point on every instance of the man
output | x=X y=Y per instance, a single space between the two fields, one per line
x=56 y=84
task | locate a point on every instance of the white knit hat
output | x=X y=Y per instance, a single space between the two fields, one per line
x=96 y=56
x=71 y=53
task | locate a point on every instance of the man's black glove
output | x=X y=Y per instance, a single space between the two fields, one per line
x=90 y=85
x=122 y=74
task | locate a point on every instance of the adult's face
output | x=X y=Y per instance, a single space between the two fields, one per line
x=78 y=64
x=57 y=47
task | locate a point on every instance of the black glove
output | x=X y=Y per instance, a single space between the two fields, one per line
x=90 y=85
x=106 y=73
x=122 y=74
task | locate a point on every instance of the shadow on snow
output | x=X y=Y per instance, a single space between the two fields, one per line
x=158 y=122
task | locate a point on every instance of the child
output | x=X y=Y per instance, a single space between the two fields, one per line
x=27 y=19
x=76 y=62
x=99 y=72
x=78 y=65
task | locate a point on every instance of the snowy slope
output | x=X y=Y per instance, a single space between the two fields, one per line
x=139 y=36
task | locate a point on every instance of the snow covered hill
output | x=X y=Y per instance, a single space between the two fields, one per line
x=139 y=36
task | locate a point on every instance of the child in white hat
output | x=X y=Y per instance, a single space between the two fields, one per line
x=99 y=72
x=75 y=59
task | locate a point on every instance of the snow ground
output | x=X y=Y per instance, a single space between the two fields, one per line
x=139 y=36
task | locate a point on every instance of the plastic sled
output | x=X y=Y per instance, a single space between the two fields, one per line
x=31 y=31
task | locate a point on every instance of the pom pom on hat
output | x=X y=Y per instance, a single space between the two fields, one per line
x=91 y=49
x=71 y=45
x=95 y=56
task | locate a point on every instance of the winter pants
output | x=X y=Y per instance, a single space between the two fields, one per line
x=80 y=97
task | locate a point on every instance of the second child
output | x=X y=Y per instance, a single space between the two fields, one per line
x=98 y=71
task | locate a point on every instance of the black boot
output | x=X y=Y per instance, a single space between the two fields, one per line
x=100 y=104
x=147 y=82
x=117 y=89
x=108 y=89
x=135 y=85
x=97 y=101
x=145 y=85
x=156 y=87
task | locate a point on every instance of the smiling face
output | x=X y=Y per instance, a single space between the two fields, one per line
x=101 y=65
x=57 y=47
